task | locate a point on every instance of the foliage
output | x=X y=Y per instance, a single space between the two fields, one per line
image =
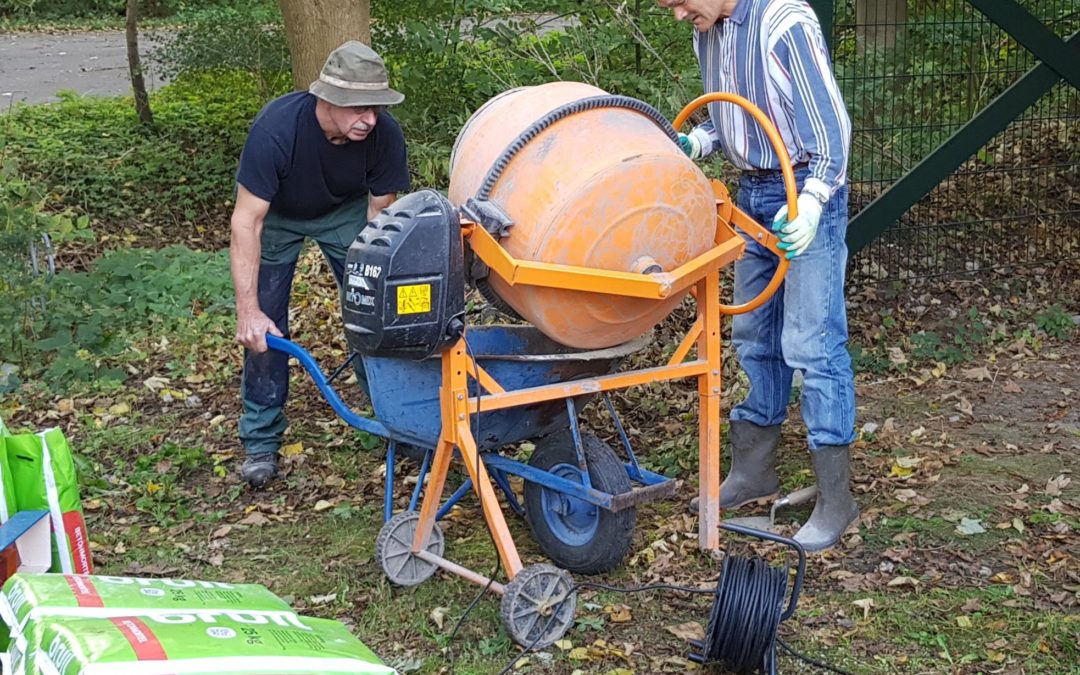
x=227 y=39
x=96 y=157
x=65 y=11
x=94 y=318
x=27 y=234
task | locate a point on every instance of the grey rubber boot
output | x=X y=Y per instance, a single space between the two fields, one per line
x=835 y=509
x=753 y=466
x=258 y=470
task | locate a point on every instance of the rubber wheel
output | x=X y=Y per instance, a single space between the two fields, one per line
x=538 y=606
x=576 y=535
x=393 y=550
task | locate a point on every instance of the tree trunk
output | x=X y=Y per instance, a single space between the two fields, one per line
x=881 y=22
x=138 y=84
x=314 y=28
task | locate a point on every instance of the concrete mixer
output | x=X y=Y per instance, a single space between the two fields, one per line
x=581 y=214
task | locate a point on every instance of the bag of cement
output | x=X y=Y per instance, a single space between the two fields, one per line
x=29 y=597
x=43 y=476
x=218 y=643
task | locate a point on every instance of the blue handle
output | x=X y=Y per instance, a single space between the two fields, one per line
x=328 y=392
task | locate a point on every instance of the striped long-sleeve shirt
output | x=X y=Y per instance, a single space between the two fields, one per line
x=773 y=53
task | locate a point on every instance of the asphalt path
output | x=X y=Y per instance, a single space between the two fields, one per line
x=34 y=66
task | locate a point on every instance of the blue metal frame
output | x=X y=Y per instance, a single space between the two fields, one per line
x=497 y=465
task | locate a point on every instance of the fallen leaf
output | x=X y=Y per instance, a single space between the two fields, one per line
x=964 y=406
x=255 y=519
x=691 y=630
x=1003 y=578
x=292 y=449
x=1054 y=486
x=897 y=356
x=866 y=604
x=564 y=644
x=963 y=621
x=618 y=613
x=903 y=581
x=322 y=505
x=969 y=526
x=221 y=532
x=155 y=382
x=437 y=615
x=120 y=409
x=939 y=370
x=977 y=374
x=905 y=495
x=1011 y=387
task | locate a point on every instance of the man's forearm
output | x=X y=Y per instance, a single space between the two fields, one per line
x=244 y=253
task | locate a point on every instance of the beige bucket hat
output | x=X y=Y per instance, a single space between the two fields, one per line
x=354 y=75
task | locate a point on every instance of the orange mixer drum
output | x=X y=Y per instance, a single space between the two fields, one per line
x=604 y=188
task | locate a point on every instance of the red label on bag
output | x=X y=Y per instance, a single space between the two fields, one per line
x=75 y=528
x=141 y=639
x=85 y=593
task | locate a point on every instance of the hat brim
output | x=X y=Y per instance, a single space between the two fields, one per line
x=348 y=98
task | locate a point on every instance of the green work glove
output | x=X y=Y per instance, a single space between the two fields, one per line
x=796 y=236
x=690 y=145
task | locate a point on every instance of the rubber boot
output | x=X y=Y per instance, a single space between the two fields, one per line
x=835 y=509
x=258 y=470
x=753 y=466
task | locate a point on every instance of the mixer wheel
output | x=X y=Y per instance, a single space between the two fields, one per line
x=538 y=606
x=576 y=535
x=393 y=550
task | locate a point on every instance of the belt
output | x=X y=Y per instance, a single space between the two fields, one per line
x=773 y=172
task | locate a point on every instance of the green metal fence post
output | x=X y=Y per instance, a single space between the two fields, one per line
x=824 y=10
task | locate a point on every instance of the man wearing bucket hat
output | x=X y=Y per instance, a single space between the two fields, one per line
x=317 y=164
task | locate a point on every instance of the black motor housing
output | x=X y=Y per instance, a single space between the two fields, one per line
x=404 y=286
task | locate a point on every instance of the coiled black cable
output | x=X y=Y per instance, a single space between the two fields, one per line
x=581 y=105
x=741 y=635
x=746 y=613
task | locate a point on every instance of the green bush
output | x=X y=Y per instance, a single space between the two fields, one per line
x=95 y=319
x=27 y=234
x=96 y=157
x=221 y=39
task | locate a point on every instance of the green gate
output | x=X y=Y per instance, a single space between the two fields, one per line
x=966 y=141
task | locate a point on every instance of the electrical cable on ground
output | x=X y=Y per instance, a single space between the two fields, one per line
x=742 y=609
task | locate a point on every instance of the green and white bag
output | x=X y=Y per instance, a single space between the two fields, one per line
x=30 y=597
x=43 y=478
x=7 y=487
x=203 y=643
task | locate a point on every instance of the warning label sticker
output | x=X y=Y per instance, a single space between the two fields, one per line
x=414 y=299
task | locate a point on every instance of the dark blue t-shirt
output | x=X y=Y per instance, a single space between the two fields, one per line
x=288 y=161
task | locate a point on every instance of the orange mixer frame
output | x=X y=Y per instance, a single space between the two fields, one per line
x=700 y=275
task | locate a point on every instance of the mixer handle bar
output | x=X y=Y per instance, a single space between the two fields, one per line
x=748 y=225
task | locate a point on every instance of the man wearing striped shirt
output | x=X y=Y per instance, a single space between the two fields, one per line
x=773 y=53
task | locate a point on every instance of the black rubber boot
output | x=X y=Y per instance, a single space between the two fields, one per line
x=753 y=466
x=258 y=470
x=835 y=509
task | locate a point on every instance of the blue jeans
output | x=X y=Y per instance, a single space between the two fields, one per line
x=802 y=327
x=264 y=385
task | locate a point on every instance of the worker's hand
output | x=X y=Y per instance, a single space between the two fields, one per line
x=796 y=236
x=690 y=145
x=251 y=330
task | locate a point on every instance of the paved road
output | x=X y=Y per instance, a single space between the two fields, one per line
x=34 y=66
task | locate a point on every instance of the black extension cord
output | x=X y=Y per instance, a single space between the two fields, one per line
x=746 y=611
